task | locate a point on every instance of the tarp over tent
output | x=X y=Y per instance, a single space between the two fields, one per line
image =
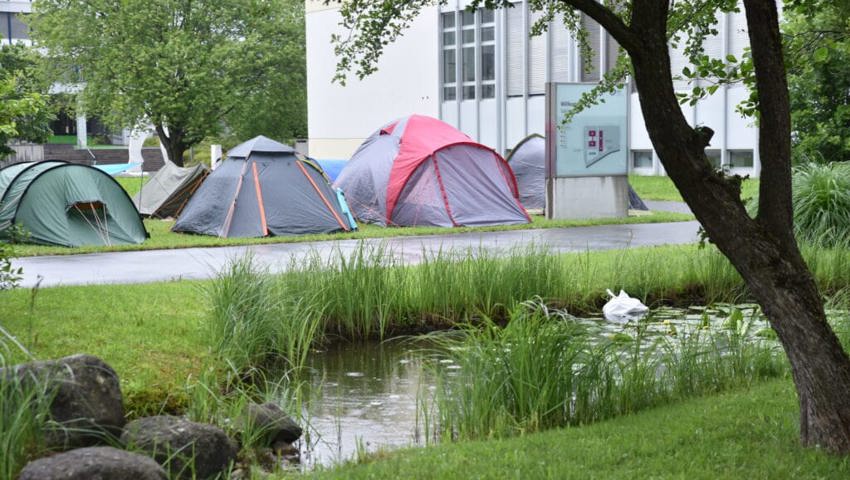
x=169 y=189
x=421 y=171
x=263 y=189
x=528 y=160
x=68 y=204
x=332 y=167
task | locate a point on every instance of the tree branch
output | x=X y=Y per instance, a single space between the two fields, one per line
x=775 y=209
x=610 y=21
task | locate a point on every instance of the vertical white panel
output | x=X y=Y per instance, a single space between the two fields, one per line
x=590 y=67
x=537 y=115
x=488 y=134
x=738 y=34
x=743 y=134
x=449 y=113
x=678 y=61
x=536 y=58
x=612 y=53
x=560 y=50
x=513 y=120
x=515 y=59
x=710 y=113
x=638 y=137
x=468 y=121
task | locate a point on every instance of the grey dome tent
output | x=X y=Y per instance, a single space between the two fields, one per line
x=67 y=204
x=528 y=161
x=263 y=188
x=421 y=171
x=169 y=189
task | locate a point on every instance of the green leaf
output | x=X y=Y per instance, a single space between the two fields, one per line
x=821 y=54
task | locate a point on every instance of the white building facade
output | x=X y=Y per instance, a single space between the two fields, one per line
x=483 y=73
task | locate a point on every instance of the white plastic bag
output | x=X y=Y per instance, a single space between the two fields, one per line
x=622 y=308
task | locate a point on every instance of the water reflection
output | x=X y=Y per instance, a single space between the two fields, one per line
x=362 y=397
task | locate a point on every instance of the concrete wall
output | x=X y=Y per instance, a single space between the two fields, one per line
x=587 y=197
x=340 y=117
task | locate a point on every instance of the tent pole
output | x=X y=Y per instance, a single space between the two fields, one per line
x=327 y=203
x=229 y=218
x=260 y=200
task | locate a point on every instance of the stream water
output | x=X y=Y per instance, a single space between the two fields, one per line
x=363 y=396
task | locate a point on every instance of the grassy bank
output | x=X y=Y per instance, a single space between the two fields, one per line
x=150 y=334
x=157 y=335
x=161 y=236
x=745 y=434
x=662 y=188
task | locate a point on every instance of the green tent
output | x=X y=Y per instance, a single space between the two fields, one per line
x=68 y=204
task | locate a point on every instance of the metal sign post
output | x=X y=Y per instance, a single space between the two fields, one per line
x=587 y=158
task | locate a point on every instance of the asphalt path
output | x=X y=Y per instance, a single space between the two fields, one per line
x=203 y=263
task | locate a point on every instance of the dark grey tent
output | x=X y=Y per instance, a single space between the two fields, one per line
x=61 y=203
x=263 y=189
x=168 y=190
x=528 y=161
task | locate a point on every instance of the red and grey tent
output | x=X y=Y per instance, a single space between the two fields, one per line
x=262 y=189
x=421 y=171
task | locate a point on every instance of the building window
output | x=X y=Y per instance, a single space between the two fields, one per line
x=741 y=158
x=12 y=27
x=487 y=36
x=468 y=49
x=714 y=158
x=449 y=31
x=467 y=54
x=641 y=159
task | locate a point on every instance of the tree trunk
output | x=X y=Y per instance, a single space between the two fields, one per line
x=763 y=250
x=174 y=144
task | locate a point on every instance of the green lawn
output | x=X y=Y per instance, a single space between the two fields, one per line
x=149 y=333
x=132 y=184
x=662 y=188
x=748 y=434
x=163 y=238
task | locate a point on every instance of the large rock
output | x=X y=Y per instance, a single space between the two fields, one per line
x=270 y=424
x=186 y=449
x=87 y=404
x=94 y=463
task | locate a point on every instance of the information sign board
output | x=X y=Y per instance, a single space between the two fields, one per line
x=594 y=142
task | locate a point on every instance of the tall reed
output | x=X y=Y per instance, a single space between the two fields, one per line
x=368 y=293
x=24 y=413
x=255 y=318
x=544 y=369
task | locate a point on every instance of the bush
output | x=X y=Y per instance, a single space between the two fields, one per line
x=821 y=199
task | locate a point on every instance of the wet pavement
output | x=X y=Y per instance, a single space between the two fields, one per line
x=666 y=206
x=203 y=263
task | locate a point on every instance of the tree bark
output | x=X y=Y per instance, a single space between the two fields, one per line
x=174 y=143
x=763 y=250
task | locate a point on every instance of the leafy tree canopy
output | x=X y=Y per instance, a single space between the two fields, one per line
x=24 y=114
x=181 y=65
x=278 y=106
x=817 y=43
